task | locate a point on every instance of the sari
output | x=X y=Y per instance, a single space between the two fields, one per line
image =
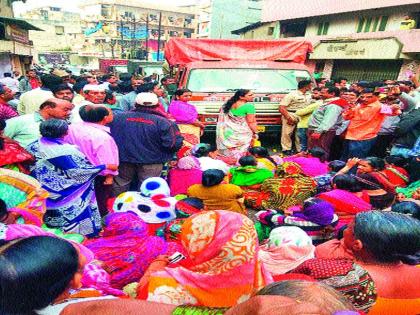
x=23 y=195
x=226 y=270
x=290 y=188
x=374 y=181
x=185 y=115
x=126 y=248
x=396 y=175
x=346 y=204
x=94 y=277
x=68 y=177
x=14 y=157
x=191 y=134
x=233 y=135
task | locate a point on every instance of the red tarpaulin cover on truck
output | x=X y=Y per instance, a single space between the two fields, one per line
x=180 y=51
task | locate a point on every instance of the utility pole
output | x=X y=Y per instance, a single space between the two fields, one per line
x=122 y=38
x=133 y=38
x=147 y=37
x=158 y=43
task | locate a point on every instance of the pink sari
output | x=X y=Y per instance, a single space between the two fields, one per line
x=346 y=204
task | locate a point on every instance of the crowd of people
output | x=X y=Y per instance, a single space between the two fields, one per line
x=111 y=204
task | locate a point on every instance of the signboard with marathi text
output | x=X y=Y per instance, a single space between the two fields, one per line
x=383 y=48
x=17 y=34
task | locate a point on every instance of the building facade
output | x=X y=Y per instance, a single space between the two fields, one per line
x=366 y=40
x=218 y=18
x=16 y=50
x=130 y=29
x=62 y=37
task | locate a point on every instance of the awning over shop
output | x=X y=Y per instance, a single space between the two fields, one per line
x=19 y=22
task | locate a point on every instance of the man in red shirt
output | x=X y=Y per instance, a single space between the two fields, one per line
x=30 y=82
x=6 y=95
x=366 y=120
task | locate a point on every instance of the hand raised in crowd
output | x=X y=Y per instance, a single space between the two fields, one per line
x=396 y=109
x=352 y=162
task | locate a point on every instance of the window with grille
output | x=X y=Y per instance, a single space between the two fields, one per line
x=323 y=28
x=371 y=24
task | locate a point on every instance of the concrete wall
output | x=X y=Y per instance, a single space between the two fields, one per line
x=347 y=23
x=262 y=32
x=5 y=9
x=50 y=41
x=227 y=16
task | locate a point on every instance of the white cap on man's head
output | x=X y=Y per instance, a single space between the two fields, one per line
x=147 y=99
x=94 y=87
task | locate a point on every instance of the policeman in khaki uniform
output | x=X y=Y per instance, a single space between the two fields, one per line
x=292 y=102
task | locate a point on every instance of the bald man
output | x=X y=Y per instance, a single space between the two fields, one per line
x=25 y=129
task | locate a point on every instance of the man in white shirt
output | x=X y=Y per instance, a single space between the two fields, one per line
x=29 y=102
x=25 y=129
x=10 y=82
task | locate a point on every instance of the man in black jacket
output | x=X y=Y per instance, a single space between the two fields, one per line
x=407 y=133
x=146 y=140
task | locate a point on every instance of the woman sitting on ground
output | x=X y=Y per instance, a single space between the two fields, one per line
x=395 y=170
x=12 y=155
x=316 y=218
x=371 y=179
x=37 y=275
x=207 y=156
x=264 y=159
x=347 y=198
x=312 y=163
x=324 y=182
x=387 y=245
x=44 y=282
x=23 y=196
x=223 y=247
x=217 y=195
x=288 y=188
x=249 y=174
x=186 y=173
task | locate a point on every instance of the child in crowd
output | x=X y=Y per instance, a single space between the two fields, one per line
x=249 y=174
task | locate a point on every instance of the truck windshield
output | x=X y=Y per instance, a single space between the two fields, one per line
x=257 y=80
